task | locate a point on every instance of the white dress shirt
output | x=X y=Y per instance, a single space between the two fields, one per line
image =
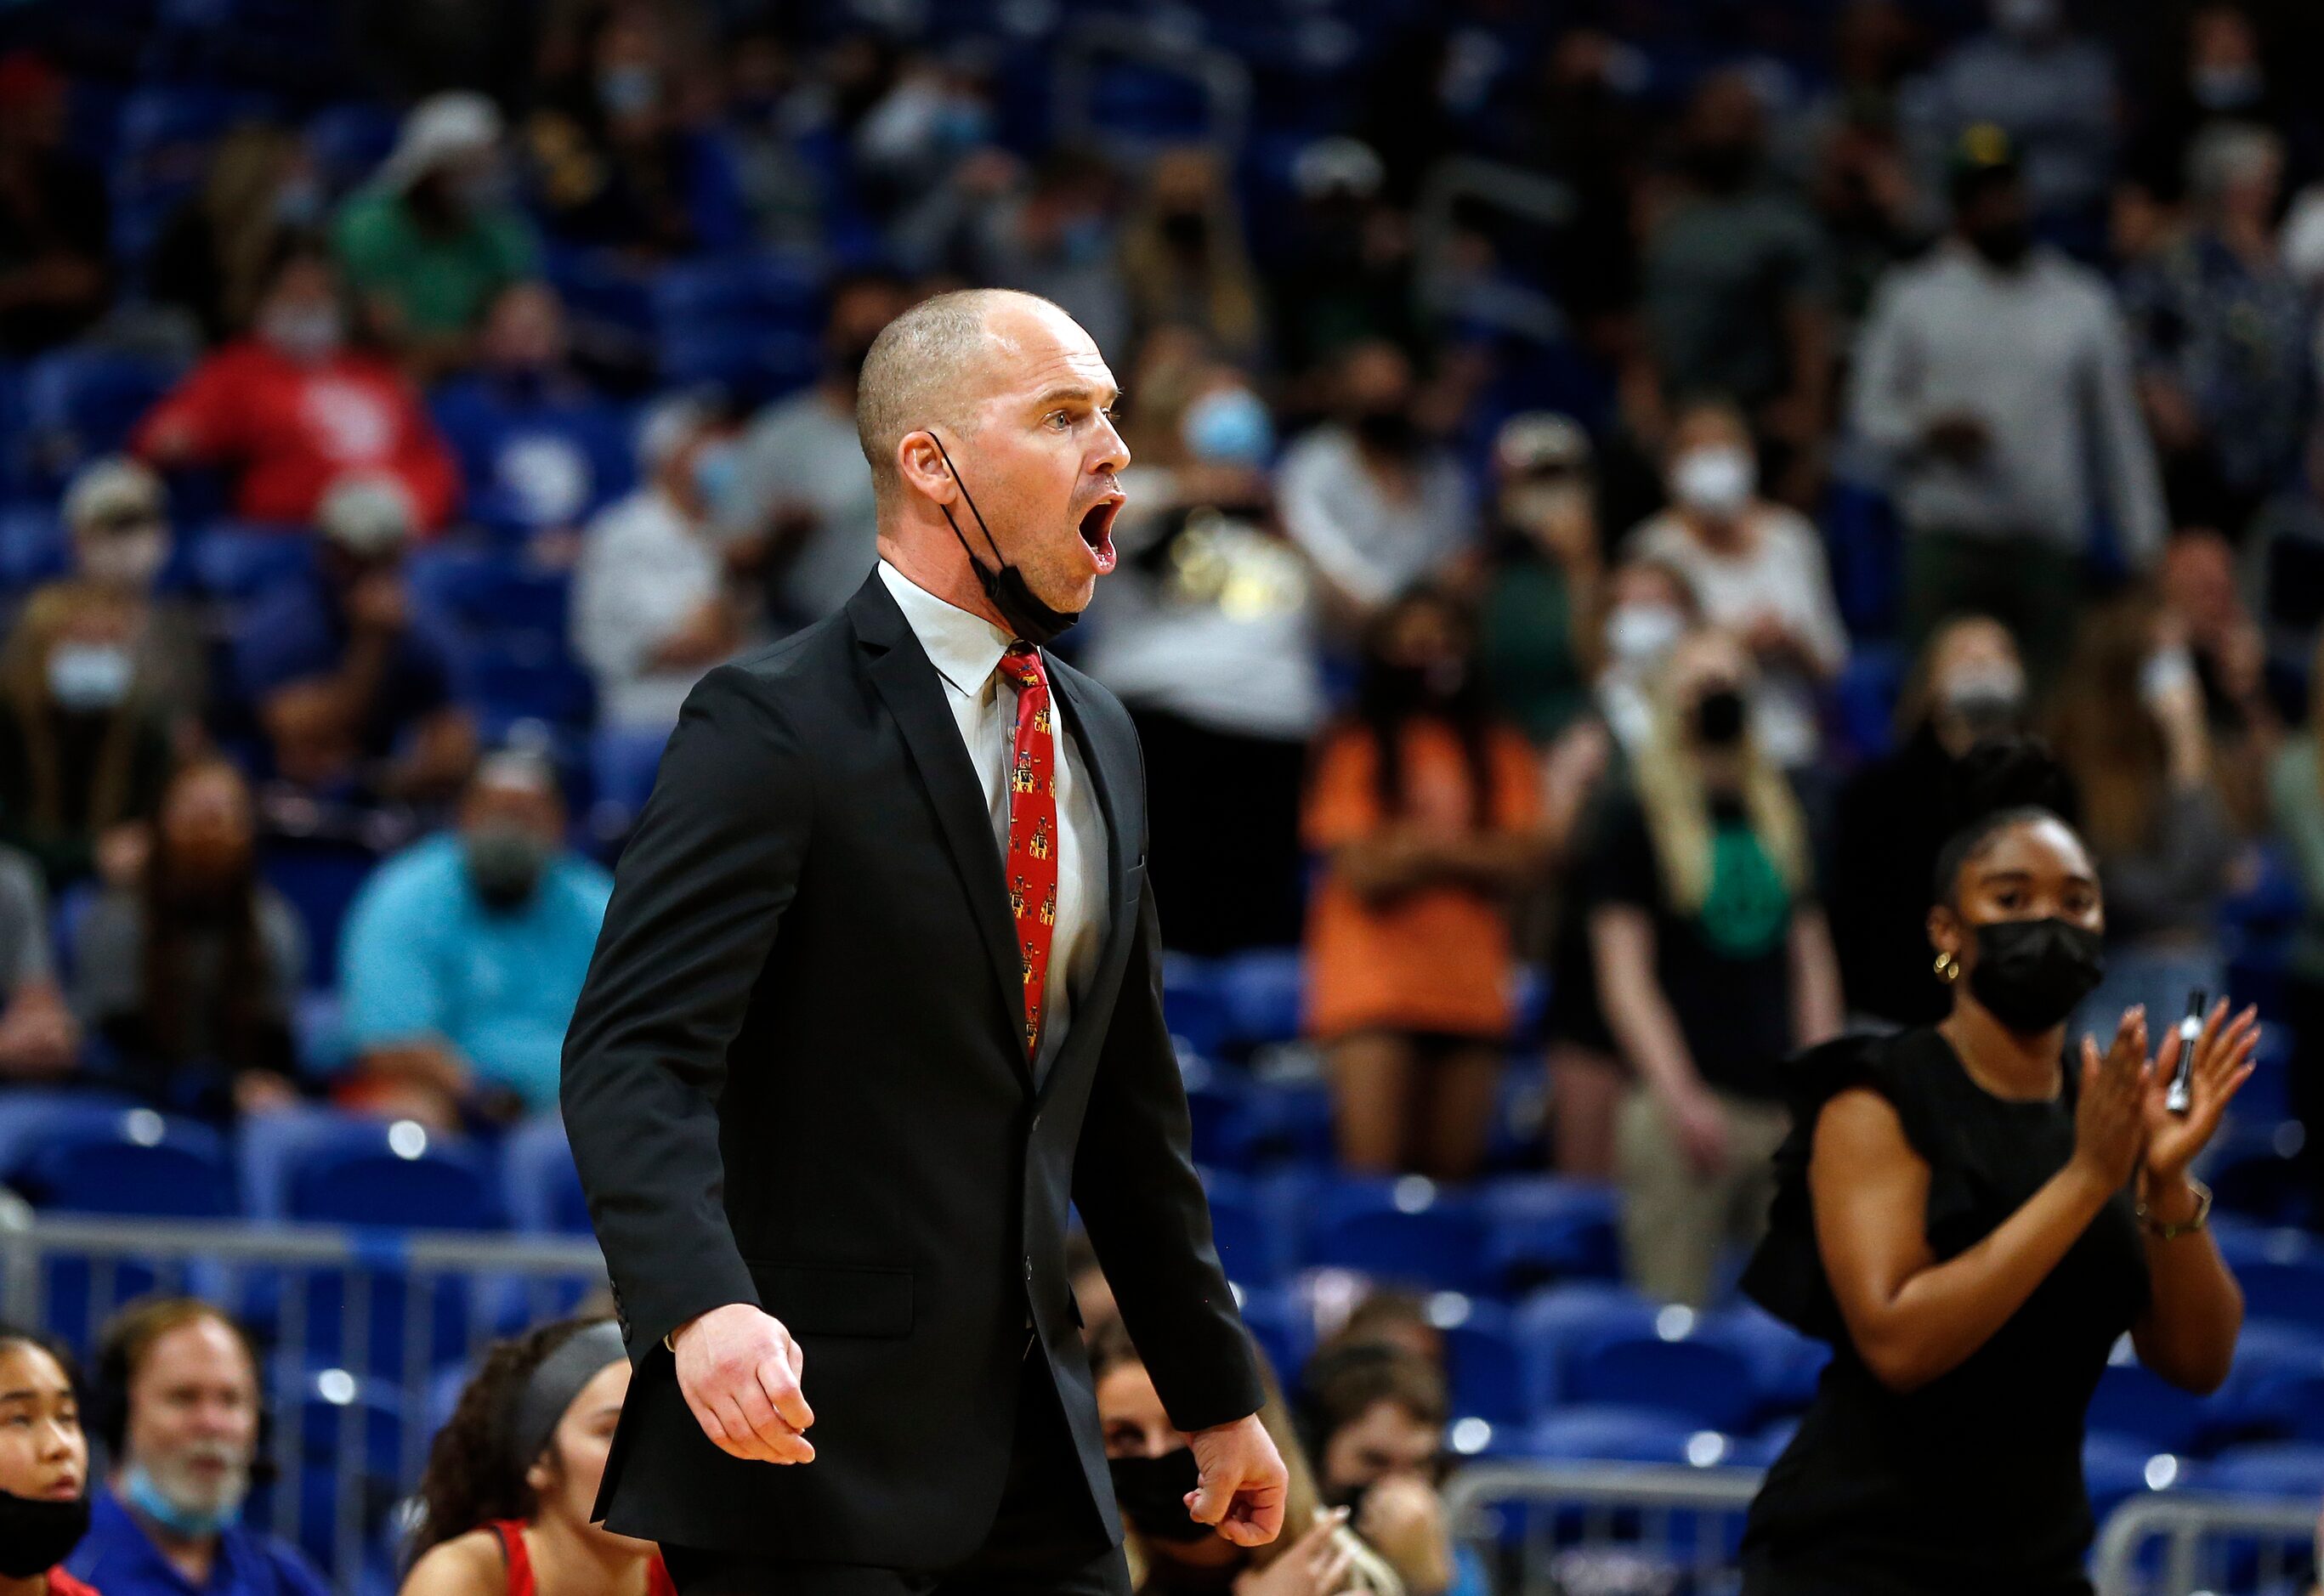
x=966 y=651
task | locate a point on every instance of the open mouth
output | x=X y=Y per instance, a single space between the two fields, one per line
x=1097 y=529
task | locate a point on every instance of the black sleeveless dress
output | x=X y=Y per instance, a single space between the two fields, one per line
x=1974 y=1481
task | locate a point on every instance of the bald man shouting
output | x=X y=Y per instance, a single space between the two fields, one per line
x=876 y=998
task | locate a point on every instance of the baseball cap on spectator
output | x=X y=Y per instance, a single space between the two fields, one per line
x=669 y=426
x=1337 y=165
x=370 y=517
x=444 y=127
x=1541 y=443
x=1982 y=154
x=114 y=495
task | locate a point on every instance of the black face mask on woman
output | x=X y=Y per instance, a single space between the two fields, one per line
x=1152 y=1491
x=36 y=1533
x=2030 y=974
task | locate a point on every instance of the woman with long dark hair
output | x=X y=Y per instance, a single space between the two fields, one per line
x=1424 y=807
x=192 y=975
x=43 y=1465
x=1973 y=1223
x=512 y=1477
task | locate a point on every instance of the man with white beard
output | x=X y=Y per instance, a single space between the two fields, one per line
x=177 y=1411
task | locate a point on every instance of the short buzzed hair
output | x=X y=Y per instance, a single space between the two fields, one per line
x=917 y=371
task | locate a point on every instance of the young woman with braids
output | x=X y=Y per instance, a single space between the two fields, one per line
x=1972 y=1223
x=513 y=1474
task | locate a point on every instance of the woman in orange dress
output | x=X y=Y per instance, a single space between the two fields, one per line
x=1422 y=808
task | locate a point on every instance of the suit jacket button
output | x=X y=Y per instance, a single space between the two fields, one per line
x=1029 y=1266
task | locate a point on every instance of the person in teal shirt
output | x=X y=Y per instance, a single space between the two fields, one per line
x=434 y=237
x=463 y=957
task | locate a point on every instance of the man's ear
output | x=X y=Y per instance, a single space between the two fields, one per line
x=921 y=465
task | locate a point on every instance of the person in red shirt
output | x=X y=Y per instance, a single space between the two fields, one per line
x=293 y=408
x=512 y=1478
x=43 y=1466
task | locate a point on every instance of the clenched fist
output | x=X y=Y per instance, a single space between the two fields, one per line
x=739 y=1369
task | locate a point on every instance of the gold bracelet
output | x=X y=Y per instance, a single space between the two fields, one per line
x=2169 y=1233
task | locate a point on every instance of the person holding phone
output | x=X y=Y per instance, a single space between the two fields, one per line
x=1972 y=1213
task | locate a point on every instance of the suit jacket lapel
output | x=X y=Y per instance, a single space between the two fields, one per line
x=1110 y=770
x=914 y=694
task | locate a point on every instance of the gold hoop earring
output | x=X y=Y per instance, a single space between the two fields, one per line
x=1948 y=968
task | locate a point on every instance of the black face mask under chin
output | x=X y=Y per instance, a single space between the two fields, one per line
x=1027 y=615
x=36 y=1533
x=2031 y=974
x=1152 y=1492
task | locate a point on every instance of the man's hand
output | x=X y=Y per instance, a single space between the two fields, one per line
x=740 y=1369
x=1243 y=1481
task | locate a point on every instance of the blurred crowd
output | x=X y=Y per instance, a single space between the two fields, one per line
x=1592 y=487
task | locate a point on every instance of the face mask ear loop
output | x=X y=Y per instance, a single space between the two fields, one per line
x=998 y=560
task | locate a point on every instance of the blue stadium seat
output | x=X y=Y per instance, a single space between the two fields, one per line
x=348 y=140
x=1283 y=1122
x=334 y=1406
x=1281 y=1325
x=2289 y=1288
x=237 y=559
x=1485 y=1367
x=33 y=545
x=29 y=1112
x=2134 y=1401
x=1767 y=1444
x=750 y=324
x=540 y=1188
x=1194 y=1005
x=99 y=1158
x=522 y=677
x=79 y=404
x=1406 y=1229
x=2270 y=1469
x=1710 y=1384
x=320 y=877
x=1615 y=1435
x=607 y=303
x=1252 y=1247
x=467 y=589
x=162 y=149
x=623 y=762
x=1866 y=695
x=1785 y=1365
x=2116 y=1468
x=1543 y=1228
x=1264 y=992
x=1551 y=1323
x=317 y=1164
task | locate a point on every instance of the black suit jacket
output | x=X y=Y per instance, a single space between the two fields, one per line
x=795 y=1078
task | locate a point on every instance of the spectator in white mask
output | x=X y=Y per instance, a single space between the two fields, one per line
x=116 y=513
x=1758 y=569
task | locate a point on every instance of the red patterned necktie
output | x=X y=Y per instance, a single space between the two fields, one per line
x=1032 y=865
